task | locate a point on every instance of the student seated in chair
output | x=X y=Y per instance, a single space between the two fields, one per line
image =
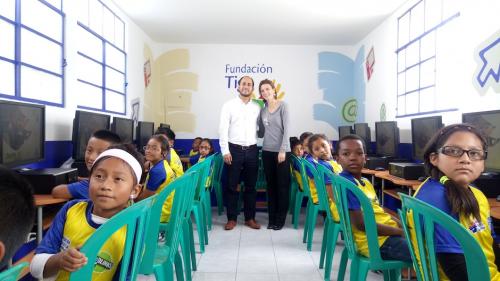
x=17 y=213
x=205 y=150
x=98 y=142
x=113 y=185
x=454 y=158
x=172 y=157
x=393 y=246
x=195 y=146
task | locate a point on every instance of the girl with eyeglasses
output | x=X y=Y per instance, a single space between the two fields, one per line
x=454 y=158
x=160 y=174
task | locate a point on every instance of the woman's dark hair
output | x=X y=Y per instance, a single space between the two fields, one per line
x=128 y=147
x=314 y=138
x=461 y=199
x=209 y=141
x=350 y=137
x=164 y=146
x=294 y=141
x=269 y=82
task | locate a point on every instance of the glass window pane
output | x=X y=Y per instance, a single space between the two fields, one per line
x=115 y=58
x=88 y=95
x=119 y=33
x=7 y=37
x=401 y=84
x=412 y=54
x=89 y=44
x=428 y=46
x=89 y=71
x=55 y=3
x=7 y=78
x=401 y=60
x=432 y=14
x=41 y=18
x=108 y=25
x=404 y=30
x=417 y=21
x=427 y=102
x=83 y=12
x=402 y=105
x=8 y=9
x=39 y=85
x=412 y=102
x=46 y=55
x=115 y=102
x=95 y=16
x=115 y=80
x=427 y=73
x=412 y=79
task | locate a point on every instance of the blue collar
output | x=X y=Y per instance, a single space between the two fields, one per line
x=350 y=177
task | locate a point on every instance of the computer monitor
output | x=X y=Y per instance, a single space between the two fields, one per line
x=143 y=133
x=84 y=125
x=22 y=130
x=488 y=122
x=344 y=131
x=363 y=131
x=422 y=130
x=124 y=128
x=163 y=125
x=387 y=138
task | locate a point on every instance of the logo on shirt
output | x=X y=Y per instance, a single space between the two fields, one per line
x=476 y=226
x=65 y=243
x=103 y=262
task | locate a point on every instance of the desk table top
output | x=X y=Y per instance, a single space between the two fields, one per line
x=47 y=199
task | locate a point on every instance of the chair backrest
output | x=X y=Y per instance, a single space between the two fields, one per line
x=180 y=186
x=215 y=169
x=425 y=217
x=134 y=219
x=341 y=186
x=204 y=176
x=302 y=170
x=13 y=273
x=319 y=182
x=261 y=182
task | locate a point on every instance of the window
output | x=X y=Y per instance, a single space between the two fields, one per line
x=101 y=59
x=416 y=58
x=29 y=73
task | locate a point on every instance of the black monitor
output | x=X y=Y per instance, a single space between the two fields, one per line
x=124 y=128
x=22 y=130
x=84 y=125
x=344 y=131
x=363 y=131
x=163 y=125
x=422 y=130
x=143 y=133
x=488 y=122
x=387 y=138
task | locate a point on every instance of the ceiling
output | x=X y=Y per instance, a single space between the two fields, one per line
x=270 y=22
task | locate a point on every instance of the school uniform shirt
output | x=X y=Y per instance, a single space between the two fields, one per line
x=192 y=153
x=194 y=159
x=433 y=192
x=296 y=173
x=381 y=217
x=79 y=190
x=175 y=163
x=157 y=179
x=71 y=227
x=331 y=165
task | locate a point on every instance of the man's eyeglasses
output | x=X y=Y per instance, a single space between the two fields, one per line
x=152 y=148
x=474 y=154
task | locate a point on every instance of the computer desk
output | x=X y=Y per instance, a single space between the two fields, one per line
x=42 y=200
x=384 y=175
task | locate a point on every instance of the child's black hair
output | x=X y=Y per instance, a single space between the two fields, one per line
x=131 y=149
x=350 y=137
x=211 y=151
x=106 y=135
x=461 y=199
x=17 y=211
x=166 y=131
x=165 y=147
x=304 y=136
x=294 y=141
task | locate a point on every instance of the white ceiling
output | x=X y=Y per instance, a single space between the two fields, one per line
x=311 y=22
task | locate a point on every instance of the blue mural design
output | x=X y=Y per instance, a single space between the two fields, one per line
x=342 y=81
x=488 y=60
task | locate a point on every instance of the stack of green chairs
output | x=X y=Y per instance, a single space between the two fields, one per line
x=216 y=182
x=260 y=184
x=298 y=196
x=160 y=258
x=359 y=263
x=134 y=218
x=332 y=227
x=12 y=274
x=425 y=218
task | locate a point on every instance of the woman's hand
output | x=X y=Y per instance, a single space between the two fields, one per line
x=281 y=156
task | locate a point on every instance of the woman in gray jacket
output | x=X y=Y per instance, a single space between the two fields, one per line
x=273 y=126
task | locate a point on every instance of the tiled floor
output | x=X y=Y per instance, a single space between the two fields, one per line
x=247 y=254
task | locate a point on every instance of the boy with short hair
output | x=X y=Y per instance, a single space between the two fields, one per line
x=98 y=142
x=172 y=158
x=17 y=213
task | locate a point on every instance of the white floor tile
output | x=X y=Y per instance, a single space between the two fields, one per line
x=257 y=277
x=214 y=276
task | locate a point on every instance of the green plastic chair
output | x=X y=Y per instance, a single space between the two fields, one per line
x=299 y=194
x=425 y=218
x=216 y=181
x=359 y=263
x=135 y=219
x=213 y=175
x=260 y=184
x=160 y=258
x=12 y=274
x=332 y=227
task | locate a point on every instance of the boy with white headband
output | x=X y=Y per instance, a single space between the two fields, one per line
x=114 y=181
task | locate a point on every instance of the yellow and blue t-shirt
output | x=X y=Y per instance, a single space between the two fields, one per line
x=159 y=176
x=433 y=192
x=381 y=217
x=79 y=189
x=193 y=153
x=175 y=163
x=71 y=227
x=296 y=173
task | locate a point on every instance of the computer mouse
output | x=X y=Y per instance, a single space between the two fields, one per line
x=379 y=169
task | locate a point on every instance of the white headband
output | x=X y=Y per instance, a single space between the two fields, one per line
x=125 y=156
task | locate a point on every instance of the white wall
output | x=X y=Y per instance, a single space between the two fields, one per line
x=455 y=66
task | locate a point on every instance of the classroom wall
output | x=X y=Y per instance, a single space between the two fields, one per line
x=458 y=44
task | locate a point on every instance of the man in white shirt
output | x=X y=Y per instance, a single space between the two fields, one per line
x=238 y=138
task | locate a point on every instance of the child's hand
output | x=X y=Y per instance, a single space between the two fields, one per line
x=72 y=259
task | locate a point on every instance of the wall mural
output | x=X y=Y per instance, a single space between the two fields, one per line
x=168 y=97
x=487 y=56
x=342 y=81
